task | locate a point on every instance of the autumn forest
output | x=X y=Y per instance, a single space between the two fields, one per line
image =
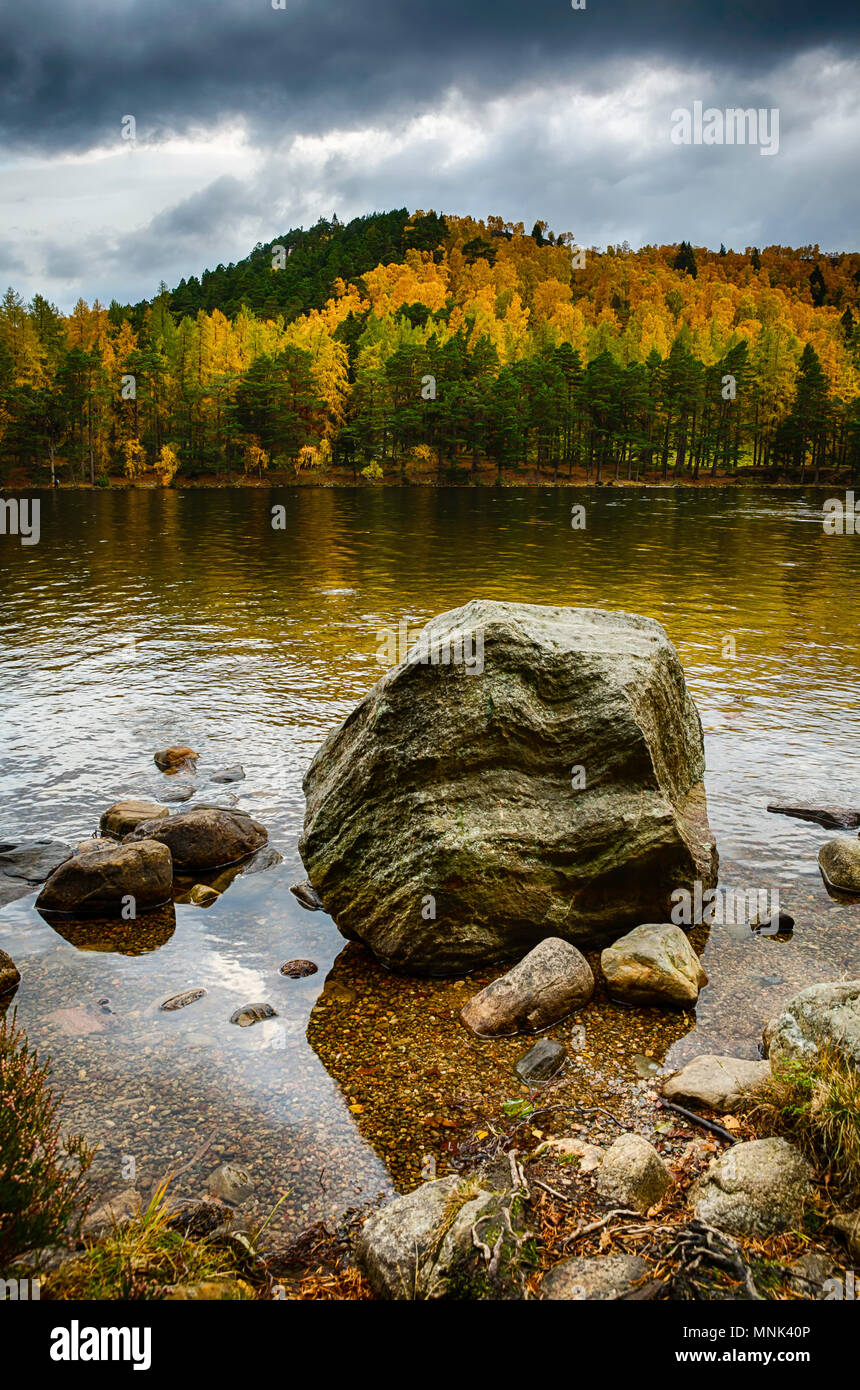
x=421 y=348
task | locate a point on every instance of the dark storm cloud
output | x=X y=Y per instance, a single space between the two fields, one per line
x=69 y=72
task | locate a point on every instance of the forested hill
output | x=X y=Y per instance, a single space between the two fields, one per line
x=427 y=348
x=309 y=264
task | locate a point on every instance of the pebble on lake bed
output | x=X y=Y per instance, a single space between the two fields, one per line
x=204 y=896
x=542 y=1061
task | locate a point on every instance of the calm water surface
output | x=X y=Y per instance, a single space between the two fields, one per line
x=143 y=619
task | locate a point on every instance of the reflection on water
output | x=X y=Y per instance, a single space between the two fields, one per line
x=144 y=619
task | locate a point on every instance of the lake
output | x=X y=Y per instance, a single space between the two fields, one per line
x=148 y=618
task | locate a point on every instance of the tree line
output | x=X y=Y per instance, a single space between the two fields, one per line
x=417 y=348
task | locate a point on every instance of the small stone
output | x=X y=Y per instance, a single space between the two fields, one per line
x=231 y=1183
x=808 y=1274
x=298 y=969
x=847 y=1224
x=633 y=1174
x=839 y=861
x=757 y=1188
x=542 y=1061
x=125 y=816
x=204 y=896
x=825 y=1015
x=593 y=1277
x=10 y=975
x=549 y=983
x=181 y=1001
x=172 y=759
x=252 y=1013
x=236 y=773
x=590 y=1155
x=100 y=881
x=178 y=791
x=307 y=896
x=206 y=837
x=653 y=964
x=720 y=1083
x=117 y=1211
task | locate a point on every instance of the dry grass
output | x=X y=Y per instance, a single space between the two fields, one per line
x=816 y=1103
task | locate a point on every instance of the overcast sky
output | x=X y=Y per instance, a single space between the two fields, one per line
x=251 y=119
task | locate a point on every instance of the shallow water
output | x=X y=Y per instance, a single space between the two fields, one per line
x=143 y=619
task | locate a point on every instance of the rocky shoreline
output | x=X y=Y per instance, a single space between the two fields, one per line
x=447 y=837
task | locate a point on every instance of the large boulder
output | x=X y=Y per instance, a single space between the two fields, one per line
x=633 y=1174
x=822 y=1015
x=99 y=881
x=124 y=816
x=753 y=1189
x=653 y=964
x=839 y=861
x=548 y=984
x=526 y=771
x=719 y=1083
x=204 y=838
x=588 y=1277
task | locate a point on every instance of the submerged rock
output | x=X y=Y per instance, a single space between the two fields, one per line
x=181 y=1001
x=542 y=1061
x=117 y=1211
x=833 y=817
x=10 y=975
x=822 y=1015
x=633 y=1174
x=754 y=1189
x=204 y=838
x=252 y=1013
x=24 y=865
x=548 y=984
x=124 y=816
x=231 y=1183
x=720 y=1083
x=175 y=759
x=469 y=807
x=306 y=895
x=236 y=773
x=203 y=896
x=654 y=964
x=839 y=861
x=100 y=881
x=179 y=791
x=594 y=1277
